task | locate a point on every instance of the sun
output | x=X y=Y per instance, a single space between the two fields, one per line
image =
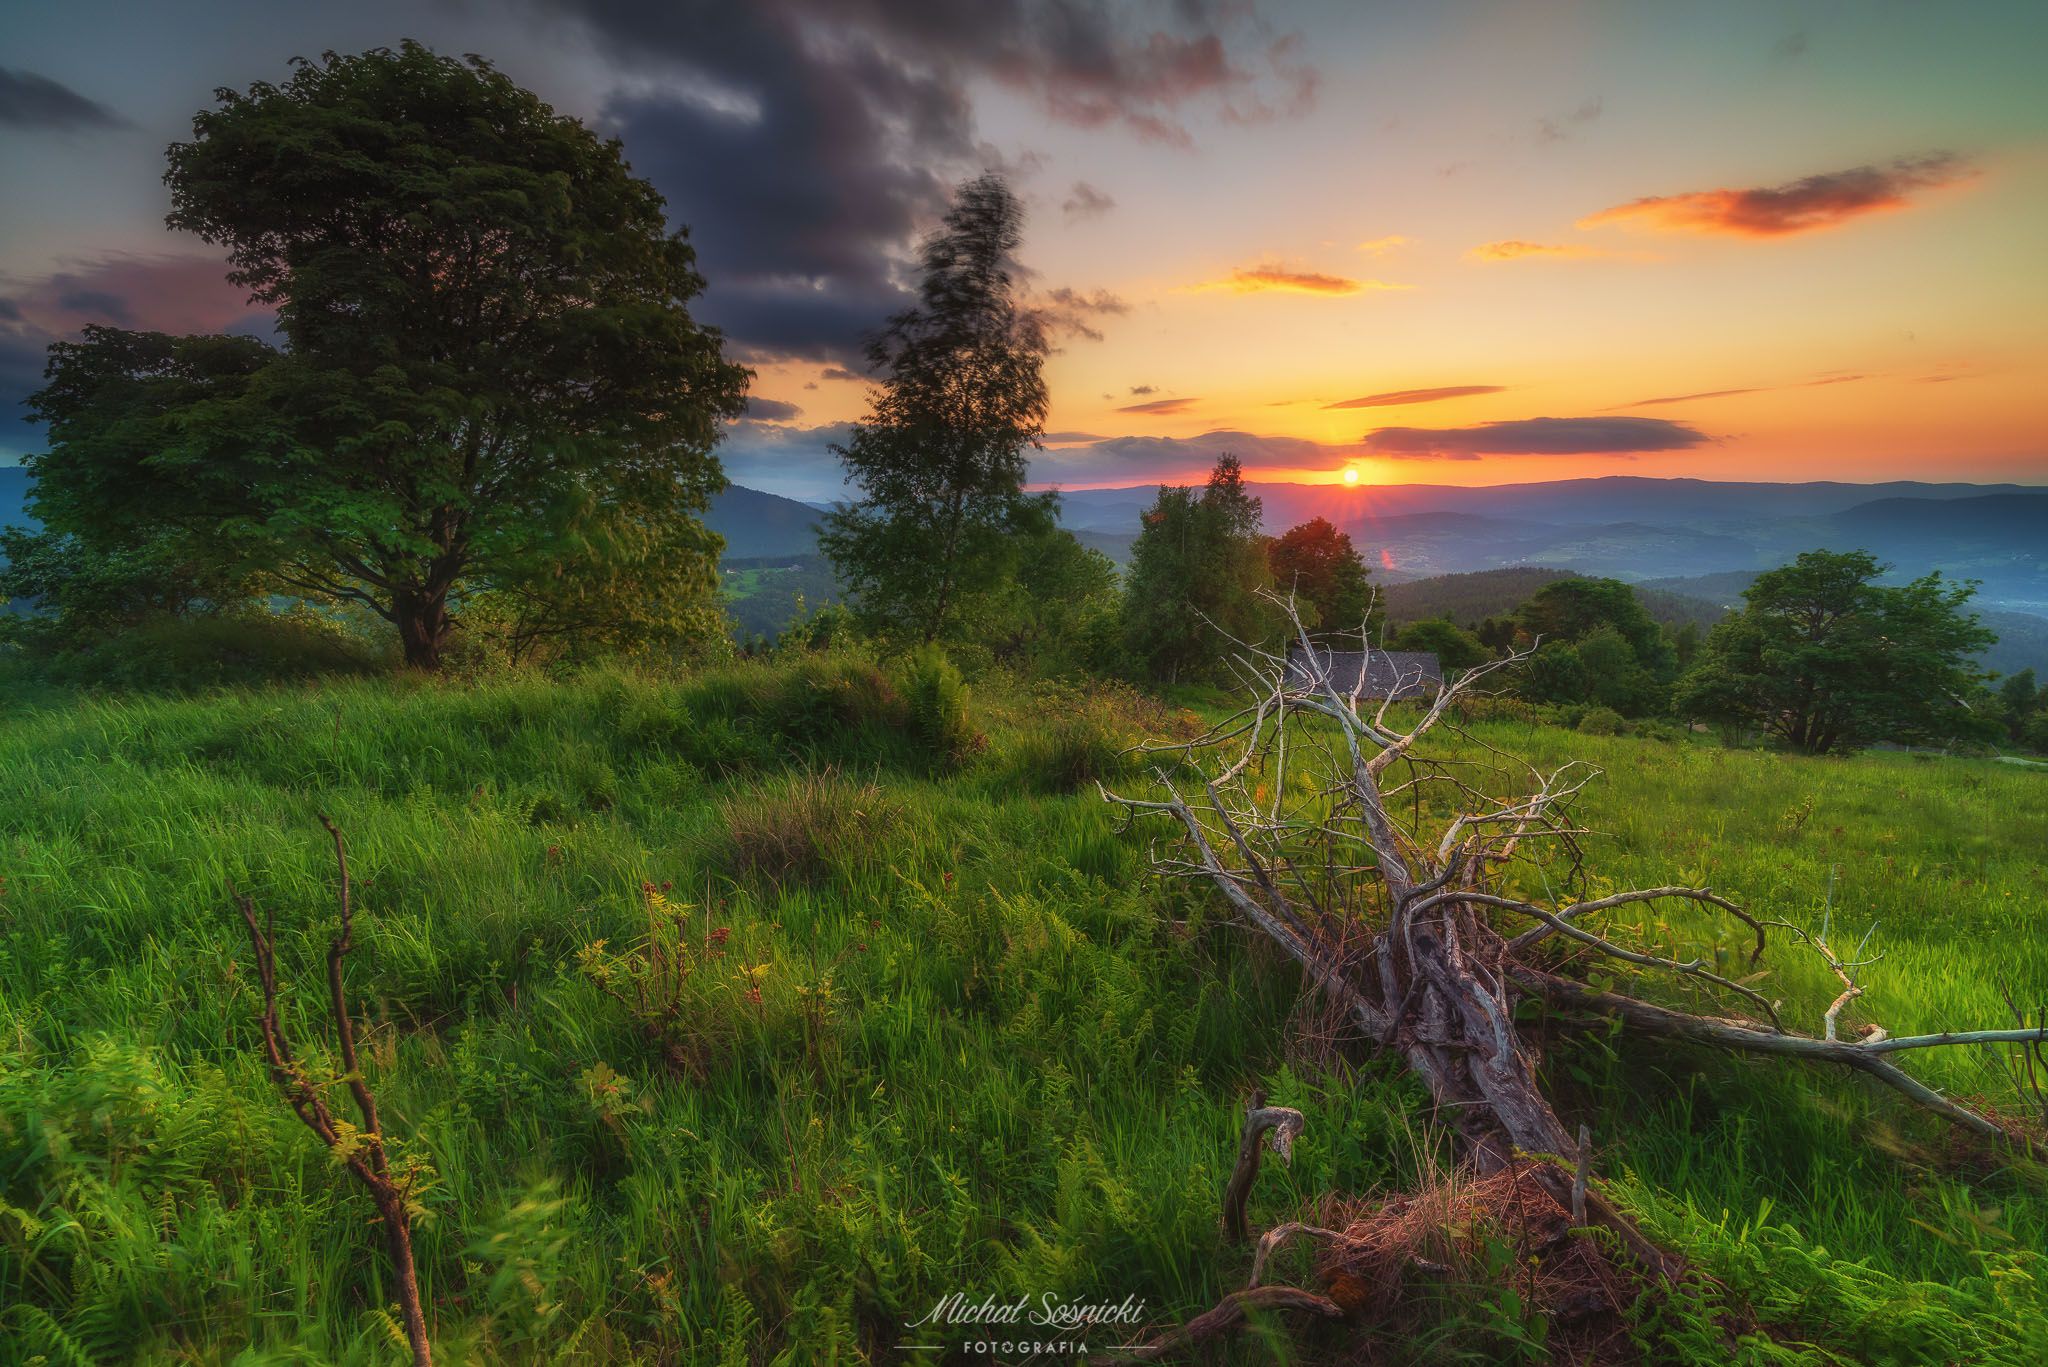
x=1351 y=475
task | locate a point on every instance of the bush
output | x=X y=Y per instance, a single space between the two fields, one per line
x=792 y=832
x=1603 y=721
x=938 y=709
x=177 y=654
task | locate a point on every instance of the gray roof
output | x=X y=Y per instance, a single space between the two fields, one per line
x=1390 y=673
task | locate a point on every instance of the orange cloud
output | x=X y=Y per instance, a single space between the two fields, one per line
x=1732 y=393
x=1807 y=205
x=1276 y=280
x=1514 y=249
x=1159 y=407
x=1394 y=398
x=1379 y=246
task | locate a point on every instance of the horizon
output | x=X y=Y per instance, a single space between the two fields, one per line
x=1499 y=244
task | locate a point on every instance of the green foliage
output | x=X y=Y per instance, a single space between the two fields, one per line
x=1603 y=721
x=1822 y=658
x=2018 y=700
x=1318 y=565
x=940 y=462
x=989 y=1052
x=492 y=380
x=176 y=654
x=937 y=700
x=1454 y=647
x=1598 y=644
x=79 y=592
x=1196 y=569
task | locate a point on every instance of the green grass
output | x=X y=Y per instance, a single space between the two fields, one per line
x=989 y=1054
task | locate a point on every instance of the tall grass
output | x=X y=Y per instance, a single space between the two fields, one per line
x=941 y=1033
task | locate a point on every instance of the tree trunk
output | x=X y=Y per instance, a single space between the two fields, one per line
x=423 y=624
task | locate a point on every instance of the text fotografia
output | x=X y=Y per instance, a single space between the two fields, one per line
x=1056 y=1315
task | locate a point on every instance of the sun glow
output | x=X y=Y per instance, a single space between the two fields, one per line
x=1351 y=474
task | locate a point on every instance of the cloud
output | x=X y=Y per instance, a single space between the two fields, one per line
x=1141 y=390
x=840 y=372
x=1380 y=246
x=1791 y=47
x=1145 y=460
x=1535 y=437
x=1559 y=128
x=1070 y=438
x=1515 y=249
x=807 y=142
x=1085 y=201
x=1394 y=398
x=31 y=101
x=1806 y=205
x=1276 y=280
x=1071 y=311
x=1732 y=393
x=771 y=410
x=1160 y=408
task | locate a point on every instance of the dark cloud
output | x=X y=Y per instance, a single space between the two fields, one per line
x=31 y=101
x=1562 y=126
x=1072 y=311
x=837 y=372
x=1159 y=408
x=1085 y=201
x=1142 y=460
x=771 y=410
x=1806 y=205
x=1394 y=398
x=806 y=142
x=1139 y=391
x=1535 y=437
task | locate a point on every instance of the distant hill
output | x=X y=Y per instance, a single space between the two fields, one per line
x=755 y=524
x=1469 y=598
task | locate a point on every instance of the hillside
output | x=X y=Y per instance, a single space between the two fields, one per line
x=755 y=524
x=938 y=1032
x=1470 y=598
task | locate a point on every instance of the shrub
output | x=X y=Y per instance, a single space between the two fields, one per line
x=1603 y=721
x=178 y=654
x=938 y=709
x=792 y=832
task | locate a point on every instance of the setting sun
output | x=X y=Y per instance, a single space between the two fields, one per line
x=1351 y=474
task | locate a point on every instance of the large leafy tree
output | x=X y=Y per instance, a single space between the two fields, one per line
x=491 y=378
x=941 y=460
x=1196 y=570
x=1824 y=658
x=1322 y=569
x=1596 y=643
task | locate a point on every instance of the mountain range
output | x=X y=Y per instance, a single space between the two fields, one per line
x=1649 y=531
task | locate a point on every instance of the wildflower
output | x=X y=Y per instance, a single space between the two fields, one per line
x=721 y=935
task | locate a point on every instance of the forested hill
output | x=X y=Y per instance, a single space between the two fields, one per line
x=1471 y=598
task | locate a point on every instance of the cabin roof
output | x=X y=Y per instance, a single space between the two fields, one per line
x=1389 y=673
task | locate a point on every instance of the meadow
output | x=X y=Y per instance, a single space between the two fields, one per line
x=737 y=1021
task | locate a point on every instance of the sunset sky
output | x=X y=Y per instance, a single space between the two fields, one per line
x=1445 y=243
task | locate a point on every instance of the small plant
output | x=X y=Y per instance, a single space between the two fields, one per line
x=938 y=709
x=1603 y=721
x=364 y=1149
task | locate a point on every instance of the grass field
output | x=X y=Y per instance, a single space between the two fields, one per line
x=941 y=1032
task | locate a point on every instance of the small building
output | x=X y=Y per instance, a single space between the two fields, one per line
x=1388 y=673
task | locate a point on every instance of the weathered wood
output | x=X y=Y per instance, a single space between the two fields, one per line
x=1285 y=1125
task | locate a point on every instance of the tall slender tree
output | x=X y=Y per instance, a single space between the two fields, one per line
x=1196 y=569
x=941 y=460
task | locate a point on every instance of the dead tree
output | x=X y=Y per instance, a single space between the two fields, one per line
x=1397 y=881
x=361 y=1148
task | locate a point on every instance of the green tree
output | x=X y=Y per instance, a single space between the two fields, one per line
x=1196 y=571
x=1824 y=658
x=1061 y=611
x=2018 y=696
x=1621 y=656
x=941 y=460
x=1319 y=566
x=491 y=373
x=1454 y=647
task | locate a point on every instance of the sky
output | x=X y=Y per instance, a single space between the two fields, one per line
x=1392 y=243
